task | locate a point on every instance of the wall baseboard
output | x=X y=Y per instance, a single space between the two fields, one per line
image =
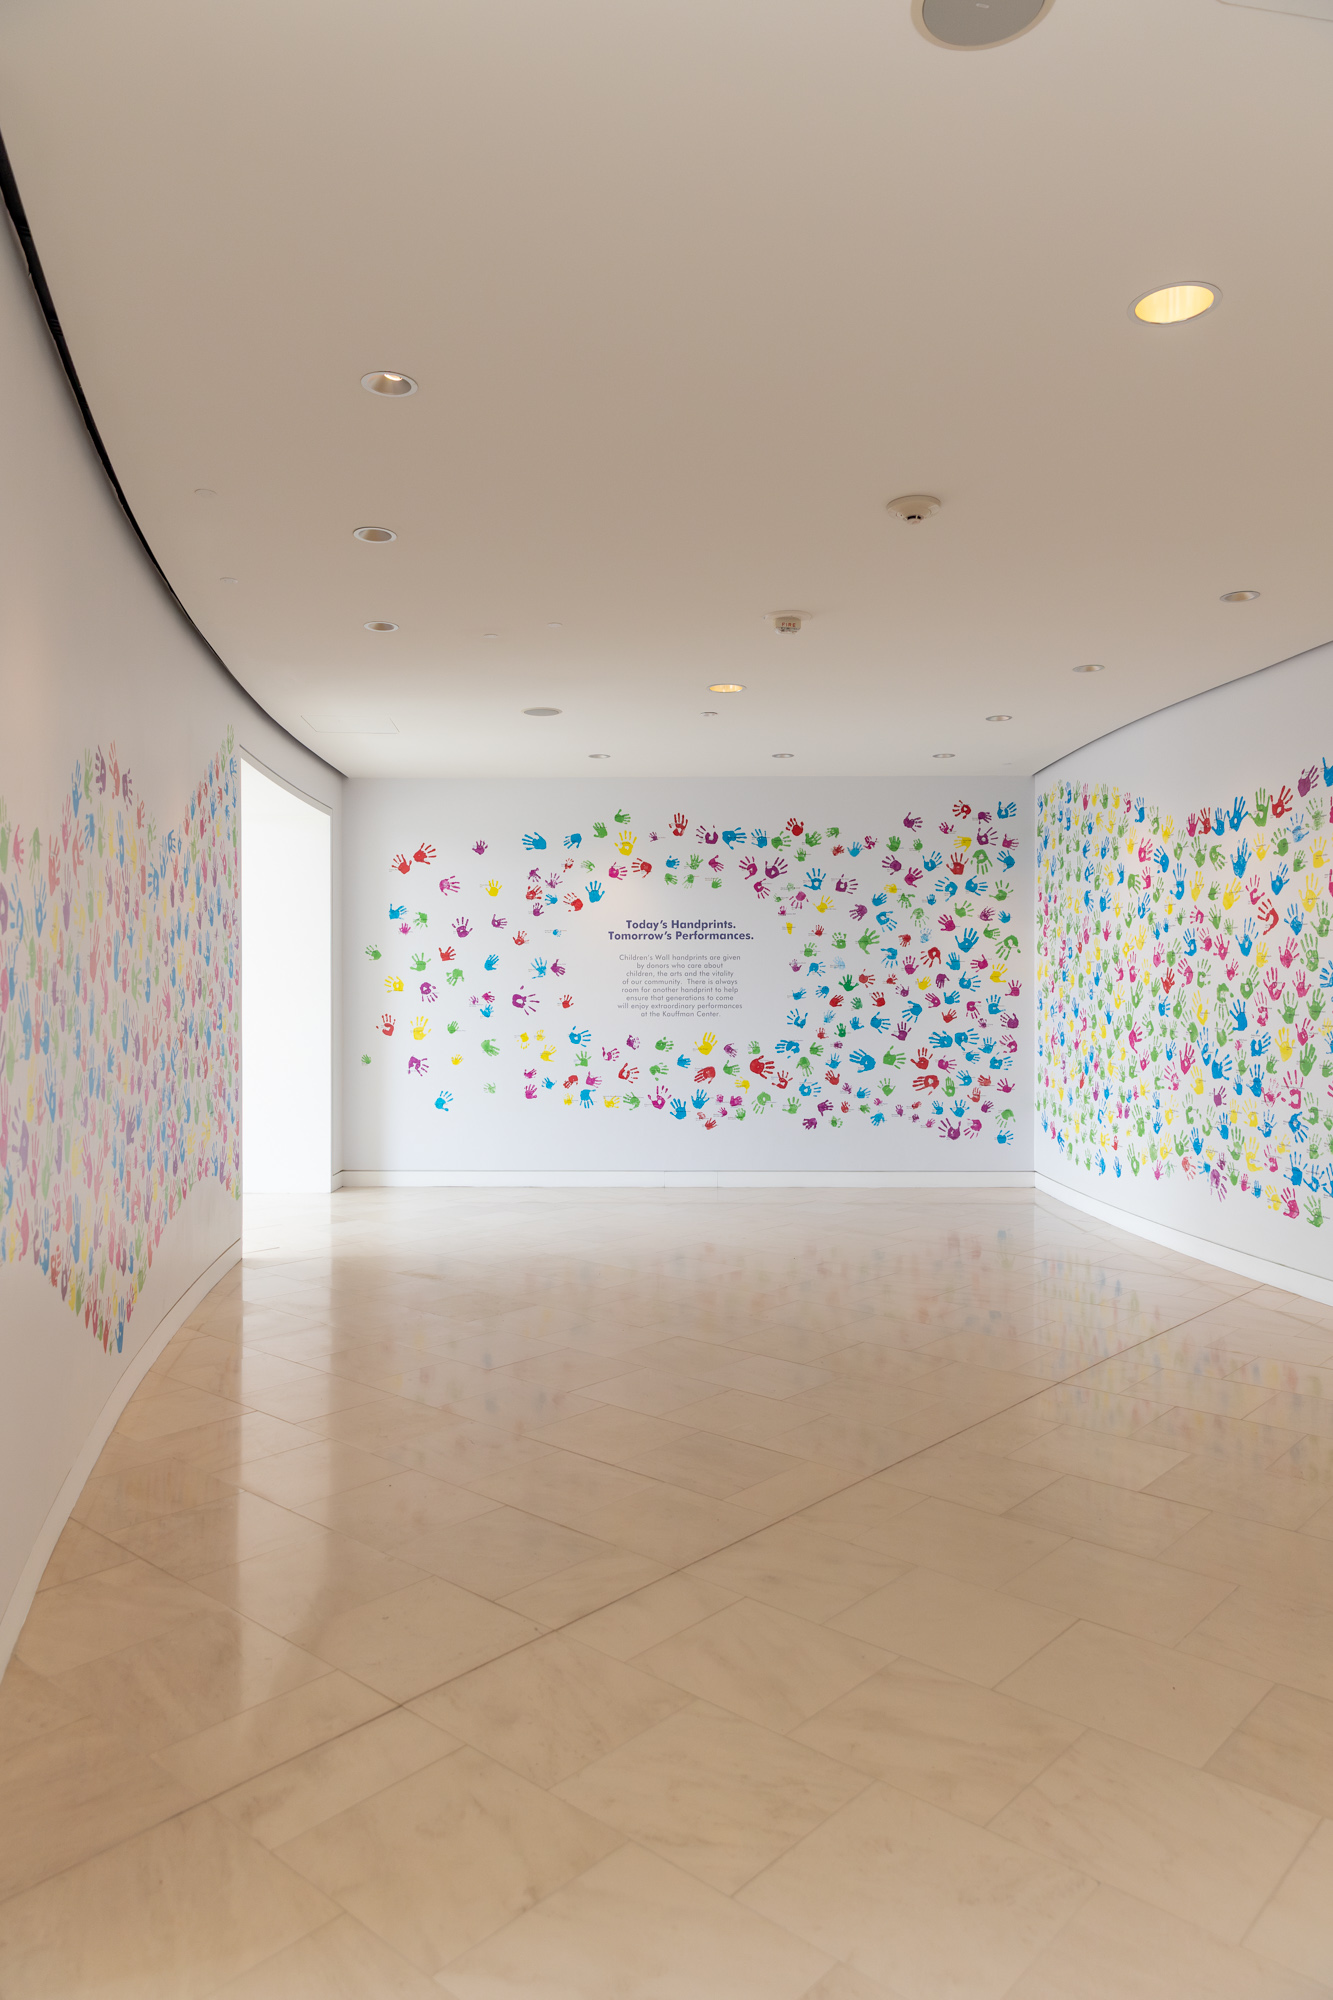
x=1263 y=1270
x=20 y=1603
x=376 y=1177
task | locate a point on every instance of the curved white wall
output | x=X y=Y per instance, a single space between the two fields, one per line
x=119 y=743
x=1184 y=928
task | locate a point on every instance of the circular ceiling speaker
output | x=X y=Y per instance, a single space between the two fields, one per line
x=977 y=24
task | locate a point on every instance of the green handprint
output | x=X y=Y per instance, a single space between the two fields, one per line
x=665 y=1045
x=371 y=952
x=365 y=1059
x=622 y=819
x=489 y=1048
x=599 y=829
x=421 y=920
x=1259 y=810
x=839 y=940
x=696 y=861
x=419 y=963
x=1314 y=1213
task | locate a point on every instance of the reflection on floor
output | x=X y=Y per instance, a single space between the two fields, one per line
x=659 y=1596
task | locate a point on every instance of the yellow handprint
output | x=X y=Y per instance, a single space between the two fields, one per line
x=420 y=1028
x=825 y=903
x=1310 y=896
x=492 y=887
x=1285 y=1045
x=456 y=1060
x=707 y=1045
x=392 y=983
x=1229 y=894
x=625 y=844
x=1196 y=885
x=1318 y=856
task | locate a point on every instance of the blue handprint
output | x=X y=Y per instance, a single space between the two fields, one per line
x=863 y=1059
x=1240 y=1020
x=586 y=1100
x=699 y=1099
x=492 y=961
x=397 y=910
x=444 y=1100
x=734 y=836
x=932 y=862
x=534 y=842
x=814 y=880
x=539 y=968
x=580 y=1037
x=1245 y=939
x=795 y=1020
x=678 y=1107
x=682 y=1062
x=1241 y=860
x=573 y=840
x=595 y=892
x=1295 y=921
x=1236 y=817
x=759 y=837
x=1277 y=883
x=967 y=938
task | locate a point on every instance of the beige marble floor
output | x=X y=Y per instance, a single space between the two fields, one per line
x=658 y=1596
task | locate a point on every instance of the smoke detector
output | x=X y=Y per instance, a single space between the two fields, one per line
x=787 y=621
x=914 y=507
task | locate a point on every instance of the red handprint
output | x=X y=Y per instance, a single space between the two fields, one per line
x=425 y=852
x=566 y=999
x=386 y=1024
x=1282 y=803
x=680 y=825
x=446 y=952
x=402 y=864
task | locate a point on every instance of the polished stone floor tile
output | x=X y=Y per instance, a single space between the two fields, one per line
x=1192 y=1844
x=680 y=1594
x=1118 y=1948
x=940 y=1621
x=941 y=1739
x=550 y=1708
x=440 y=1860
x=919 y=1898
x=717 y=1795
x=636 y=1928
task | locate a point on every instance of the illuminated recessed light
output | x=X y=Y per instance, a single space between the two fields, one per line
x=943 y=756
x=541 y=711
x=1239 y=596
x=384 y=383
x=599 y=756
x=380 y=625
x=999 y=718
x=784 y=756
x=726 y=687
x=554 y=625
x=375 y=534
x=1174 y=303
x=1090 y=667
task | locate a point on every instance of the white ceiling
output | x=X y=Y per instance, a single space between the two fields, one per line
x=691 y=289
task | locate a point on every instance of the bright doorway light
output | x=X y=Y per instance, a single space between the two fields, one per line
x=286 y=990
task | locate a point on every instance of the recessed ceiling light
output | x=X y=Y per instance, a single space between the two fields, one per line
x=913 y=507
x=226 y=579
x=380 y=625
x=784 y=756
x=708 y=711
x=490 y=635
x=1239 y=596
x=599 y=756
x=943 y=756
x=1174 y=303
x=541 y=711
x=1089 y=668
x=204 y=493
x=554 y=625
x=999 y=718
x=383 y=383
x=726 y=687
x=375 y=534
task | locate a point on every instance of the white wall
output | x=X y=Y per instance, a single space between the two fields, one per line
x=117 y=1114
x=1240 y=1161
x=286 y=978
x=456 y=1090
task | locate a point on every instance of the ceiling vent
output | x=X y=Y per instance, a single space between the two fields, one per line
x=914 y=507
x=984 y=24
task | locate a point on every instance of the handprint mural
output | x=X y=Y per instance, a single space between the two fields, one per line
x=119 y=1032
x=1184 y=976
x=899 y=1000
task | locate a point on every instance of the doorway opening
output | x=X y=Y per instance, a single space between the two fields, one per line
x=286 y=989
